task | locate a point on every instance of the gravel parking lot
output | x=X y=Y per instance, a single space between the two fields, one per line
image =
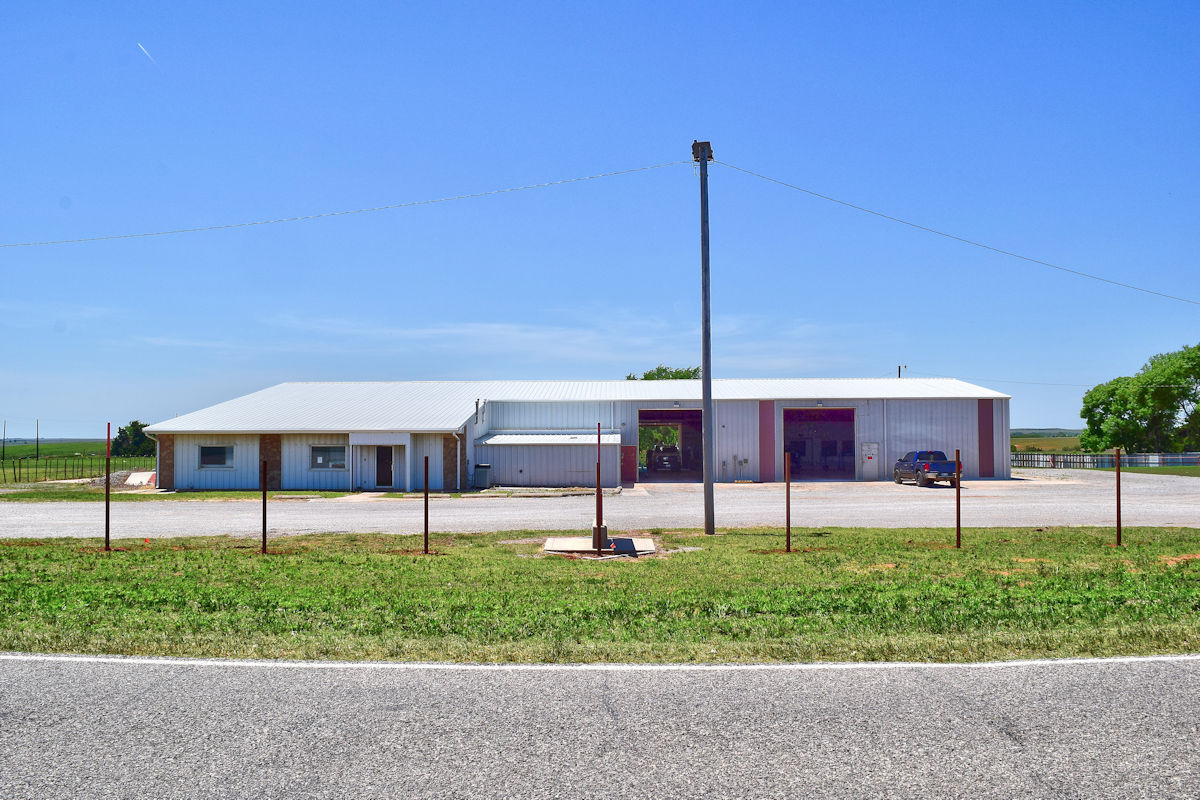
x=1031 y=498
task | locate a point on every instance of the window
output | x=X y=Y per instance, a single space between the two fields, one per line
x=216 y=457
x=327 y=457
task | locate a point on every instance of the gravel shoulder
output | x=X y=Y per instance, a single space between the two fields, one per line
x=1032 y=498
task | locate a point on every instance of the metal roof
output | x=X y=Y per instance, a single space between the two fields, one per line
x=581 y=438
x=443 y=406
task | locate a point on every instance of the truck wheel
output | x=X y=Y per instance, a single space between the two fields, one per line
x=921 y=481
x=896 y=476
x=953 y=483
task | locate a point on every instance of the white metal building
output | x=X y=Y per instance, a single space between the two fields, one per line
x=374 y=436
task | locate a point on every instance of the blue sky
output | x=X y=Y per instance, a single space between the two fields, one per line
x=1063 y=131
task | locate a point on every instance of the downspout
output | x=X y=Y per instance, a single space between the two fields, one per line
x=883 y=459
x=458 y=459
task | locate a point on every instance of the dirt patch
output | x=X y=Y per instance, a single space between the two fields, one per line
x=23 y=543
x=870 y=568
x=1172 y=561
x=1033 y=560
x=795 y=550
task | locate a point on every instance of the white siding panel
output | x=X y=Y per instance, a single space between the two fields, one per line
x=296 y=451
x=1003 y=439
x=245 y=472
x=550 y=465
x=736 y=440
x=934 y=425
x=426 y=445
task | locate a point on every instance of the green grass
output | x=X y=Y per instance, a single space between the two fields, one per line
x=1046 y=444
x=1191 y=472
x=857 y=595
x=28 y=470
x=73 y=493
x=87 y=448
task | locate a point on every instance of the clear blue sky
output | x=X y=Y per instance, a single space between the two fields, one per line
x=1064 y=131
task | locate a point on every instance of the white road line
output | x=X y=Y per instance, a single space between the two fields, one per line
x=433 y=665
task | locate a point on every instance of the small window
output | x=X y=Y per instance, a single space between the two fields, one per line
x=216 y=457
x=328 y=457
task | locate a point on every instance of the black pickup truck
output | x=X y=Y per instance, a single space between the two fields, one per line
x=923 y=467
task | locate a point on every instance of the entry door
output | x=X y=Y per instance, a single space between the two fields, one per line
x=870 y=461
x=383 y=466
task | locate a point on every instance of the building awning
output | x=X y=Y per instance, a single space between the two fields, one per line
x=560 y=438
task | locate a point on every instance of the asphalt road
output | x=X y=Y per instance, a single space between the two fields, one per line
x=183 y=728
x=1036 y=497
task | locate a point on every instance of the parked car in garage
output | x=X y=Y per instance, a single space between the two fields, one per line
x=924 y=467
x=664 y=458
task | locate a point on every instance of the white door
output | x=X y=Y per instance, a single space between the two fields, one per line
x=870 y=461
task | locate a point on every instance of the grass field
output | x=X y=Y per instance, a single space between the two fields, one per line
x=1191 y=472
x=86 y=448
x=855 y=595
x=1048 y=444
x=28 y=470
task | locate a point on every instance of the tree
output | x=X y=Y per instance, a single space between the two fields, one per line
x=664 y=373
x=132 y=441
x=1155 y=410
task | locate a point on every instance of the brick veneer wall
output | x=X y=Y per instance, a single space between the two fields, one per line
x=449 y=460
x=164 y=477
x=270 y=449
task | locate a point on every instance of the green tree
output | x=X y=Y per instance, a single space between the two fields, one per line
x=664 y=373
x=1152 y=411
x=132 y=441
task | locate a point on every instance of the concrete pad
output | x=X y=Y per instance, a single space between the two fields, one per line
x=619 y=545
x=139 y=478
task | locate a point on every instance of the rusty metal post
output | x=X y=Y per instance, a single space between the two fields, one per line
x=787 y=485
x=262 y=482
x=427 y=504
x=957 y=499
x=107 y=484
x=597 y=530
x=1118 y=454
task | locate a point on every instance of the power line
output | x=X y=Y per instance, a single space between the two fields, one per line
x=1009 y=253
x=346 y=213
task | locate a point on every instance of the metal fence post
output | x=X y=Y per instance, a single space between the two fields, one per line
x=1118 y=461
x=957 y=499
x=262 y=480
x=427 y=505
x=787 y=484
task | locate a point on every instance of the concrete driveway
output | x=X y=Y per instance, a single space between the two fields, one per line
x=1033 y=498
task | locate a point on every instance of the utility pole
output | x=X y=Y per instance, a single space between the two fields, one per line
x=37 y=439
x=4 y=443
x=900 y=367
x=702 y=153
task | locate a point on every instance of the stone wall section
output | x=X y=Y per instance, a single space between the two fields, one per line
x=164 y=477
x=449 y=459
x=270 y=449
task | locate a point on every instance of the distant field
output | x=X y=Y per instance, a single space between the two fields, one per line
x=1047 y=444
x=1190 y=472
x=31 y=470
x=83 y=448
